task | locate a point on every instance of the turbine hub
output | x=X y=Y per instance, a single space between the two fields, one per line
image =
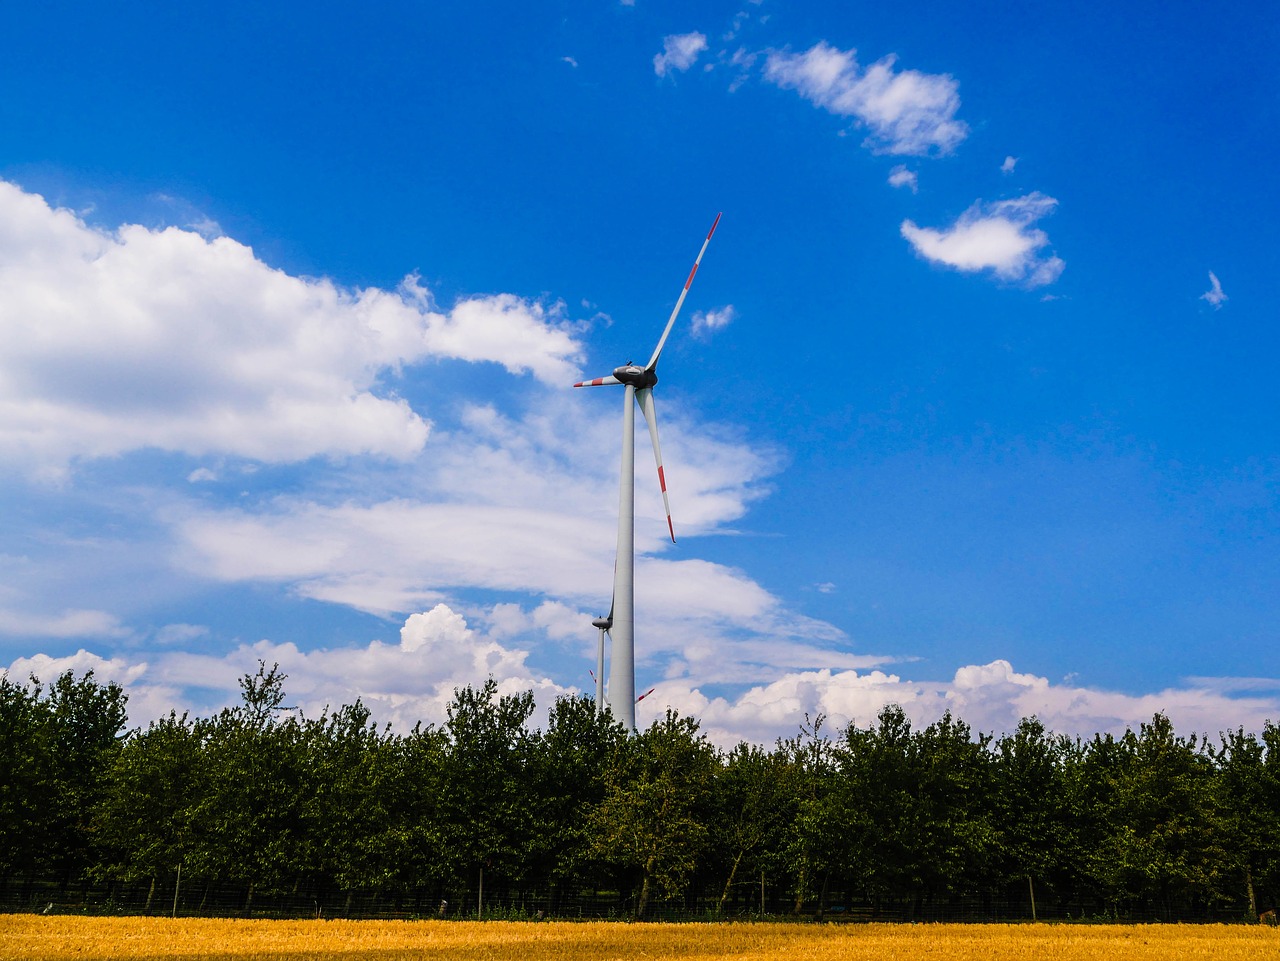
x=604 y=623
x=636 y=376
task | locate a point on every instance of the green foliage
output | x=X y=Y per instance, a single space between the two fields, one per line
x=27 y=783
x=144 y=815
x=657 y=799
x=57 y=747
x=1149 y=823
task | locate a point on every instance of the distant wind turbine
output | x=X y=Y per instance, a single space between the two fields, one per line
x=620 y=624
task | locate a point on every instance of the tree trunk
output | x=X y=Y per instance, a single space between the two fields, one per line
x=801 y=881
x=151 y=892
x=733 y=871
x=1248 y=882
x=248 y=901
x=643 y=906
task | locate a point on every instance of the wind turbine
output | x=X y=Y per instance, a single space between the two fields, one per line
x=620 y=624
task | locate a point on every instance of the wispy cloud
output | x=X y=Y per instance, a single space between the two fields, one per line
x=708 y=322
x=999 y=237
x=679 y=52
x=907 y=112
x=496 y=505
x=1214 y=295
x=74 y=623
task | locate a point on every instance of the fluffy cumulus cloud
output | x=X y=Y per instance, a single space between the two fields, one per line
x=169 y=339
x=439 y=650
x=679 y=52
x=1000 y=237
x=402 y=683
x=906 y=111
x=990 y=697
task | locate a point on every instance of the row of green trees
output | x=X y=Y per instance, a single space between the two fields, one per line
x=884 y=817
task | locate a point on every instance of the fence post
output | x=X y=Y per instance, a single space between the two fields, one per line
x=177 y=882
x=1032 y=888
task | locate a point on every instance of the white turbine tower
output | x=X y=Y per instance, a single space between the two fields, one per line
x=620 y=624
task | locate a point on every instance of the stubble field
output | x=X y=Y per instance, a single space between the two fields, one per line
x=53 y=938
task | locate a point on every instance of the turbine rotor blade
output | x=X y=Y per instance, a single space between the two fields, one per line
x=645 y=397
x=653 y=361
x=598 y=382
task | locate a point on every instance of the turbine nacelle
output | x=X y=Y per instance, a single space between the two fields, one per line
x=633 y=375
x=629 y=375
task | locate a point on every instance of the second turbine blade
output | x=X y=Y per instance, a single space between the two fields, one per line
x=645 y=399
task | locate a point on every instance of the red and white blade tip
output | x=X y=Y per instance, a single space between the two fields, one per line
x=598 y=382
x=662 y=482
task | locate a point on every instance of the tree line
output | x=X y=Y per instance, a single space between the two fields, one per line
x=886 y=820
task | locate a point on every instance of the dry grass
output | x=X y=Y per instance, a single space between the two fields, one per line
x=55 y=938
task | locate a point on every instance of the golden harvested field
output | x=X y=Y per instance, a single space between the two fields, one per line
x=53 y=938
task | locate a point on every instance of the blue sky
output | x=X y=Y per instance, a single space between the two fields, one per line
x=971 y=406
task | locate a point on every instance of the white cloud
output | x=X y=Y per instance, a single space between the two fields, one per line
x=46 y=668
x=439 y=651
x=679 y=52
x=990 y=697
x=180 y=633
x=900 y=176
x=166 y=339
x=1000 y=237
x=74 y=623
x=499 y=503
x=1008 y=165
x=1214 y=294
x=708 y=322
x=401 y=683
x=569 y=60
x=907 y=112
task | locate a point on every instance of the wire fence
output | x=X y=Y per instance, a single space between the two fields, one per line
x=497 y=900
